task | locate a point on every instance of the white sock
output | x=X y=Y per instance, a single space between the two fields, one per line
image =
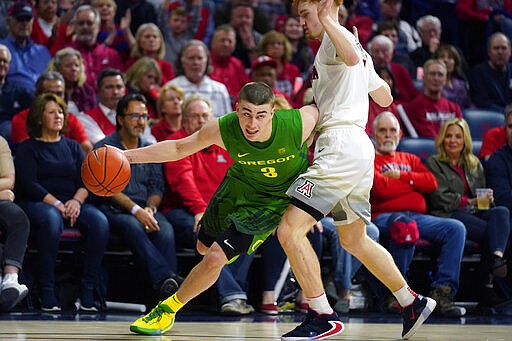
x=405 y=296
x=10 y=277
x=320 y=304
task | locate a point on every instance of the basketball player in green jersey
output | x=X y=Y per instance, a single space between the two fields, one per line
x=269 y=148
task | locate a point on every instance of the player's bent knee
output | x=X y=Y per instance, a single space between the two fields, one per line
x=215 y=257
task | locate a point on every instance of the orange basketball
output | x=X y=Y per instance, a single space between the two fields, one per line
x=105 y=171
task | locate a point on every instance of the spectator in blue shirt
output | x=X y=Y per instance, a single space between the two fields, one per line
x=29 y=60
x=13 y=98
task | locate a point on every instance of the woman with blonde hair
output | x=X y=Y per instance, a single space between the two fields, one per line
x=145 y=77
x=275 y=45
x=459 y=174
x=79 y=95
x=149 y=42
x=169 y=112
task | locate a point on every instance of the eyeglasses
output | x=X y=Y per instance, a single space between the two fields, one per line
x=136 y=117
x=3 y=61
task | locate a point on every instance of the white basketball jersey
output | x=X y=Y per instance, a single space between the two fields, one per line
x=341 y=91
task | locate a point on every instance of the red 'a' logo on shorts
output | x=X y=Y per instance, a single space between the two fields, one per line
x=306 y=188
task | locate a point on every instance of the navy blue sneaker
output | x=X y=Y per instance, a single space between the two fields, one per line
x=415 y=314
x=315 y=327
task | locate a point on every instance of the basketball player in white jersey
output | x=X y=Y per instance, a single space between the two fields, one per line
x=341 y=175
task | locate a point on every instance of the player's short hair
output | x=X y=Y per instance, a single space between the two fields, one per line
x=257 y=93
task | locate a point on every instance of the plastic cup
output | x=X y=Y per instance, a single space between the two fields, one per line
x=483 y=200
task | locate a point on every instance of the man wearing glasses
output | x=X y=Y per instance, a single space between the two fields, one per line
x=133 y=214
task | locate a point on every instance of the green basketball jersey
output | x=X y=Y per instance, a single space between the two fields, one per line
x=252 y=197
x=269 y=166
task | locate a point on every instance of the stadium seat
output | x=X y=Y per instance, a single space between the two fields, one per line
x=422 y=147
x=477 y=144
x=481 y=120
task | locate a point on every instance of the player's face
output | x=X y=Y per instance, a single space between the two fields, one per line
x=309 y=20
x=453 y=142
x=135 y=119
x=387 y=136
x=255 y=120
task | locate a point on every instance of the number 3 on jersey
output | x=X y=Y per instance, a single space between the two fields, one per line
x=269 y=172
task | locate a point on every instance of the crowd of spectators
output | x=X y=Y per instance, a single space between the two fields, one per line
x=74 y=74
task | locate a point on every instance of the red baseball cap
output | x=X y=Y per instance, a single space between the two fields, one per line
x=263 y=60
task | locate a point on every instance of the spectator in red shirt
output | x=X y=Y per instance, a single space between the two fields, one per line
x=227 y=69
x=47 y=29
x=96 y=57
x=430 y=110
x=52 y=82
x=495 y=138
x=169 y=110
x=101 y=120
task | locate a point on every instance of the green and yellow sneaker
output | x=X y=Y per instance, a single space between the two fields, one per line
x=159 y=320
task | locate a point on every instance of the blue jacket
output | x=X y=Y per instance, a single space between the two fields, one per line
x=13 y=99
x=28 y=62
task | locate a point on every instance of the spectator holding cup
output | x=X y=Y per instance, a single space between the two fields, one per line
x=460 y=176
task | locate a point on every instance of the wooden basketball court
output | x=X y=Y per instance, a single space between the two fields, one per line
x=243 y=330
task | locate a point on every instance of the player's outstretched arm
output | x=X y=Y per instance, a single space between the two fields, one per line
x=343 y=40
x=172 y=150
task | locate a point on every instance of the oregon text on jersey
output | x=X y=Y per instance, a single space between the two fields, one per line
x=266 y=162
